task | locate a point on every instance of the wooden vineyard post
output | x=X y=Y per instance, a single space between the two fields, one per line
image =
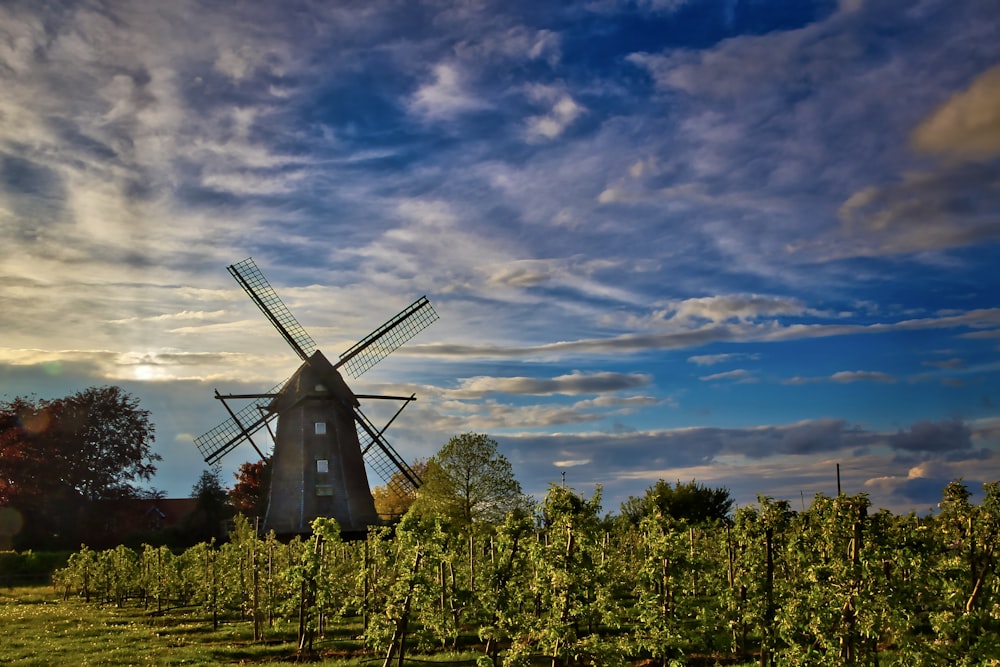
x=307 y=593
x=215 y=589
x=848 y=642
x=258 y=630
x=768 y=630
x=159 y=578
x=398 y=641
x=472 y=563
x=270 y=584
x=367 y=588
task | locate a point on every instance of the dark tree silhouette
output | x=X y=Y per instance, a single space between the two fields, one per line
x=253 y=482
x=58 y=457
x=691 y=501
x=208 y=519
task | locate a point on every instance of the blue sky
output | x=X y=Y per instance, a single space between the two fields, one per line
x=738 y=242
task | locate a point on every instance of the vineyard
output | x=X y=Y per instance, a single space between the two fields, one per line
x=833 y=584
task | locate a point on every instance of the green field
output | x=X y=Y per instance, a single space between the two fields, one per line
x=40 y=628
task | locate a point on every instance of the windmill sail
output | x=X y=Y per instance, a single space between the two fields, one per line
x=261 y=293
x=228 y=435
x=384 y=460
x=382 y=342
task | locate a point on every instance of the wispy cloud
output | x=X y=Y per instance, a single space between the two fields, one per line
x=738 y=374
x=845 y=377
x=713 y=359
x=572 y=384
x=594 y=197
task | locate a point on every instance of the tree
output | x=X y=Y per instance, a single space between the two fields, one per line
x=58 y=456
x=691 y=502
x=388 y=501
x=253 y=483
x=211 y=510
x=468 y=481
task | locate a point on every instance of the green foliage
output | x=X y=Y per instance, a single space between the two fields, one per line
x=691 y=502
x=30 y=565
x=570 y=584
x=95 y=442
x=469 y=482
x=835 y=584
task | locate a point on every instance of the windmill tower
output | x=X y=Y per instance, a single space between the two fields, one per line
x=322 y=440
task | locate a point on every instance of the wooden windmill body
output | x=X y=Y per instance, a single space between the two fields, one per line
x=322 y=440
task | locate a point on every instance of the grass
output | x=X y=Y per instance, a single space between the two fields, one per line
x=40 y=629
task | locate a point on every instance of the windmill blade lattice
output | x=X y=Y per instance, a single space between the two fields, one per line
x=228 y=435
x=382 y=342
x=384 y=460
x=260 y=291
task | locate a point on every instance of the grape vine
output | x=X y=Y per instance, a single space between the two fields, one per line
x=834 y=584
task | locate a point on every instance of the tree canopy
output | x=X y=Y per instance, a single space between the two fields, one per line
x=391 y=503
x=212 y=510
x=468 y=482
x=690 y=501
x=58 y=453
x=253 y=483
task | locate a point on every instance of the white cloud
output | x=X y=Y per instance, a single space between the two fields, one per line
x=934 y=210
x=447 y=96
x=739 y=374
x=713 y=359
x=738 y=307
x=571 y=463
x=562 y=112
x=515 y=44
x=650 y=6
x=236 y=63
x=706 y=333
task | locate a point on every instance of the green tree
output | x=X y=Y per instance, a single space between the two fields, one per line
x=469 y=482
x=965 y=609
x=691 y=502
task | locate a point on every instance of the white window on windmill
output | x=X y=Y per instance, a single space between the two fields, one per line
x=320 y=428
x=322 y=468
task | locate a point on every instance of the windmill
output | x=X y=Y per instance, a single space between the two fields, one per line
x=322 y=440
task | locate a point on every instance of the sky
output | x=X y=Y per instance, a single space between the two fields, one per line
x=738 y=242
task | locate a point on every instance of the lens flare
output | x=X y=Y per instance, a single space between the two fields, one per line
x=35 y=422
x=11 y=523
